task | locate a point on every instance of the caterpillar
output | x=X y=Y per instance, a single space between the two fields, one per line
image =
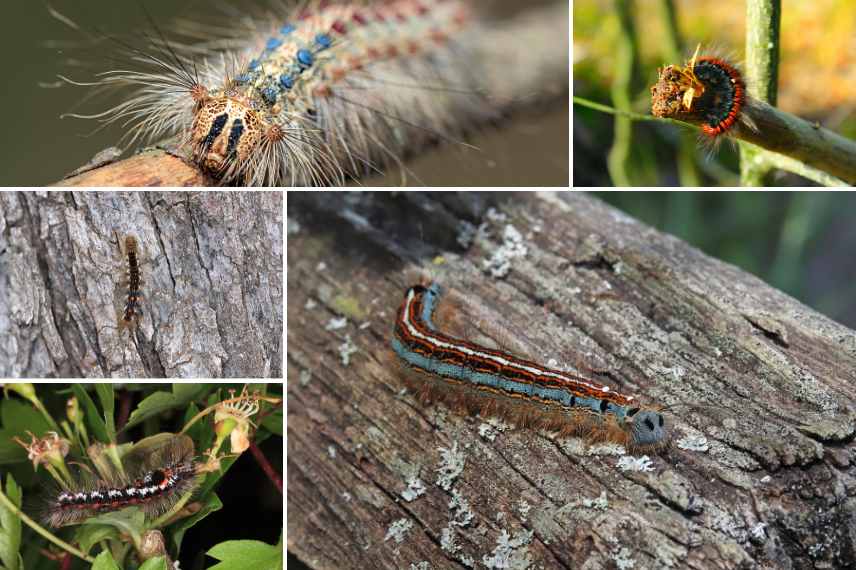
x=493 y=382
x=313 y=95
x=131 y=313
x=165 y=474
x=708 y=89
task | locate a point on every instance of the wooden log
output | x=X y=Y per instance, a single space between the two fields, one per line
x=211 y=265
x=758 y=389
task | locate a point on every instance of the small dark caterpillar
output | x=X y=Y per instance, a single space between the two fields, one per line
x=708 y=89
x=165 y=475
x=131 y=313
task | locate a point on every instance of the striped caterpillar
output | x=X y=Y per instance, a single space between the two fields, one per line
x=131 y=313
x=314 y=95
x=493 y=382
x=165 y=473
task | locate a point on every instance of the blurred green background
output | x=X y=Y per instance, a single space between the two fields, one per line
x=530 y=148
x=817 y=80
x=803 y=243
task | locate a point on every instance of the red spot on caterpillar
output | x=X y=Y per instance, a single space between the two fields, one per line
x=339 y=27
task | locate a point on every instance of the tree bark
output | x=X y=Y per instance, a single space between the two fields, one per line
x=211 y=265
x=758 y=393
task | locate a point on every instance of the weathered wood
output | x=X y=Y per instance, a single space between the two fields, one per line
x=212 y=284
x=767 y=382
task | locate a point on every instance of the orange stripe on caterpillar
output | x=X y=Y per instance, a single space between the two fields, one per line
x=475 y=378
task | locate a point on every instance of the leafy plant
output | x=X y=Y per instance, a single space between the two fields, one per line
x=91 y=441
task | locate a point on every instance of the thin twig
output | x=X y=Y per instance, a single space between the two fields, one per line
x=266 y=466
x=784 y=159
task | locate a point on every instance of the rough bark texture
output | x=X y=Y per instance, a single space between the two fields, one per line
x=759 y=473
x=211 y=264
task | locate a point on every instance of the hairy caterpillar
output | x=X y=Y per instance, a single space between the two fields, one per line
x=163 y=474
x=708 y=89
x=495 y=382
x=316 y=94
x=131 y=313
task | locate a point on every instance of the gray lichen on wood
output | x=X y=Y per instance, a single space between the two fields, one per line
x=212 y=292
x=759 y=391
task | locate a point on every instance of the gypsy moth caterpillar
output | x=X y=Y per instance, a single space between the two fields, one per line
x=155 y=478
x=318 y=93
x=131 y=312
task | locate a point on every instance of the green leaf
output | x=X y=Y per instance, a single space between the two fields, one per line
x=104 y=561
x=187 y=392
x=10 y=527
x=273 y=422
x=10 y=452
x=108 y=402
x=88 y=535
x=156 y=563
x=159 y=402
x=18 y=417
x=93 y=418
x=130 y=521
x=212 y=478
x=245 y=554
x=212 y=504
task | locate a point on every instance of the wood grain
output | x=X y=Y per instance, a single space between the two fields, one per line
x=769 y=383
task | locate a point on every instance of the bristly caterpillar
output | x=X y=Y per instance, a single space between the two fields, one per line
x=163 y=475
x=131 y=313
x=708 y=89
x=316 y=94
x=494 y=382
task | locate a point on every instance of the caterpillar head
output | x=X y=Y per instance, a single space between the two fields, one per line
x=226 y=131
x=647 y=427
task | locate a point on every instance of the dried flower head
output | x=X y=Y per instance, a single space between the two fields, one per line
x=50 y=449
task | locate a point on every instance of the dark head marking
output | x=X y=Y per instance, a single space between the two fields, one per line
x=648 y=427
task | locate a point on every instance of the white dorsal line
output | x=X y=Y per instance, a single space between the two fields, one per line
x=414 y=331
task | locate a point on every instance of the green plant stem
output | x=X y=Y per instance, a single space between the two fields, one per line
x=41 y=531
x=635 y=116
x=621 y=87
x=762 y=72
